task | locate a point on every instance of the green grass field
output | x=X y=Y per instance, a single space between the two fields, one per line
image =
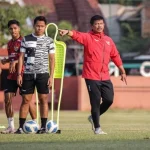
x=126 y=130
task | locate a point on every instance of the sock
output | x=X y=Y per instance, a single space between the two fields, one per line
x=21 y=122
x=43 y=122
x=34 y=120
x=11 y=122
x=97 y=129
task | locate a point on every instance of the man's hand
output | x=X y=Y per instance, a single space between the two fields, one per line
x=4 y=61
x=50 y=82
x=12 y=67
x=63 y=32
x=124 y=78
x=19 y=80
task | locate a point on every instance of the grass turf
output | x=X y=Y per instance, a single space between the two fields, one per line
x=126 y=130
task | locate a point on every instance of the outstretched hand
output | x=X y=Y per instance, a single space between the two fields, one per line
x=63 y=32
x=124 y=78
x=4 y=61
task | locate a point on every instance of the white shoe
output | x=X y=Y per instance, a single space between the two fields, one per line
x=8 y=131
x=91 y=121
x=19 y=131
x=99 y=131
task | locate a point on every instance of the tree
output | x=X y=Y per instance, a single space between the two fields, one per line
x=18 y=13
x=132 y=42
x=21 y=14
x=61 y=25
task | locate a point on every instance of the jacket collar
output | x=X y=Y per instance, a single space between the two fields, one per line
x=99 y=35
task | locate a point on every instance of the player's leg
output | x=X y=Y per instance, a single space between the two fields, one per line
x=95 y=95
x=43 y=90
x=43 y=98
x=32 y=110
x=24 y=109
x=10 y=92
x=27 y=91
x=107 y=96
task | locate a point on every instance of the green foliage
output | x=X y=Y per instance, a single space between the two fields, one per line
x=20 y=14
x=61 y=25
x=132 y=42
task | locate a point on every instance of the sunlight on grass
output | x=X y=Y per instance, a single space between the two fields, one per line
x=127 y=129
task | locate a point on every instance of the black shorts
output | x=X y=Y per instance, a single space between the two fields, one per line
x=11 y=86
x=30 y=81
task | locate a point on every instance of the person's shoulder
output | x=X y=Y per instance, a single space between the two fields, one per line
x=48 y=38
x=29 y=37
x=9 y=42
x=108 y=38
x=87 y=34
x=19 y=39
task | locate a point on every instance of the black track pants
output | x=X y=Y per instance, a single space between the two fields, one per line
x=97 y=90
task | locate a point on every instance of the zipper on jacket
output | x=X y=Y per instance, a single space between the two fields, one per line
x=102 y=61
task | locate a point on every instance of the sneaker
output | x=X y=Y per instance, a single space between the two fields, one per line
x=41 y=131
x=99 y=131
x=9 y=130
x=19 y=131
x=91 y=121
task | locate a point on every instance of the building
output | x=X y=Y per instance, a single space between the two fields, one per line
x=78 y=12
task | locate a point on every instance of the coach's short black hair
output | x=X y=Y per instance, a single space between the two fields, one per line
x=96 y=17
x=10 y=22
x=40 y=18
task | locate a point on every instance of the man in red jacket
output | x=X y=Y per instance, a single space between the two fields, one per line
x=98 y=50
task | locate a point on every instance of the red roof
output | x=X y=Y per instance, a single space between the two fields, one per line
x=46 y=3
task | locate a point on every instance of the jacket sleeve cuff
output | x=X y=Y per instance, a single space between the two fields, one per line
x=74 y=34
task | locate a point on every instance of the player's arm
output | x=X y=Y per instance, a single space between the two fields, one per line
x=75 y=35
x=51 y=68
x=21 y=62
x=66 y=32
x=123 y=74
x=12 y=67
x=115 y=57
x=13 y=64
x=20 y=65
x=51 y=63
x=5 y=60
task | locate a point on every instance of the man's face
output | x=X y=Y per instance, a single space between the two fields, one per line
x=98 y=26
x=14 y=30
x=39 y=28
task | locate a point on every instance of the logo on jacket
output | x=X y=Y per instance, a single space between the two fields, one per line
x=96 y=40
x=108 y=42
